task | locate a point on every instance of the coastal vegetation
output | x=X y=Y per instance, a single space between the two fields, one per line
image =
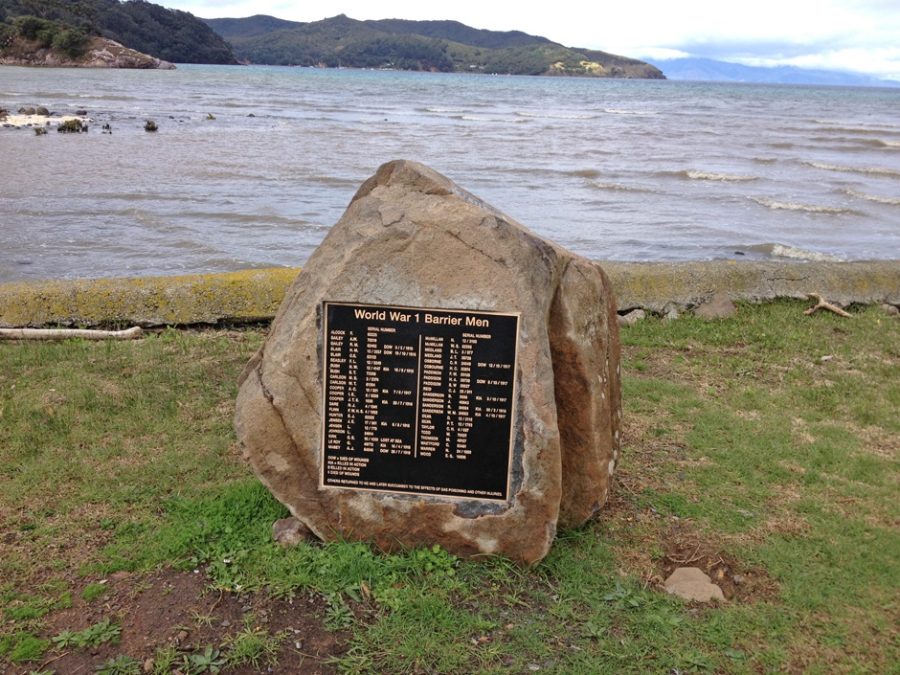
x=415 y=45
x=761 y=448
x=179 y=37
x=167 y=34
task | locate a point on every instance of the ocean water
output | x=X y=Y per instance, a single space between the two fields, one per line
x=613 y=169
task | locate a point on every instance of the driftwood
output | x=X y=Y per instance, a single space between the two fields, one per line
x=824 y=304
x=66 y=333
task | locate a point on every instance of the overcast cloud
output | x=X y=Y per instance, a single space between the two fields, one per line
x=857 y=35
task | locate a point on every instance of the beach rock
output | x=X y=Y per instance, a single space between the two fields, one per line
x=411 y=237
x=26 y=111
x=290 y=531
x=692 y=584
x=671 y=311
x=719 y=306
x=42 y=111
x=632 y=317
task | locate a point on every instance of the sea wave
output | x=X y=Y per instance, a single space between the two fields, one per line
x=555 y=116
x=776 y=205
x=694 y=174
x=583 y=173
x=618 y=187
x=893 y=201
x=861 y=131
x=625 y=111
x=775 y=250
x=868 y=170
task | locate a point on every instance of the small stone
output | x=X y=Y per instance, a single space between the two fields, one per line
x=738 y=579
x=719 y=306
x=692 y=584
x=225 y=623
x=826 y=358
x=671 y=311
x=890 y=310
x=290 y=531
x=148 y=666
x=81 y=113
x=632 y=317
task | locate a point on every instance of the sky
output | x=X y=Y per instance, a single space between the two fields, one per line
x=855 y=35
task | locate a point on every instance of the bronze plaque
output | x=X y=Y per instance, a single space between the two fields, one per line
x=418 y=400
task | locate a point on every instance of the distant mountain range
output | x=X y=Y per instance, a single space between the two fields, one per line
x=704 y=70
x=416 y=45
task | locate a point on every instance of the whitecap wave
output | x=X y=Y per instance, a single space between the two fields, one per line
x=696 y=174
x=792 y=253
x=893 y=201
x=776 y=205
x=868 y=170
x=624 y=111
x=555 y=116
x=723 y=177
x=618 y=187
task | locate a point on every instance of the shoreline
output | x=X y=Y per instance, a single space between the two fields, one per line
x=252 y=296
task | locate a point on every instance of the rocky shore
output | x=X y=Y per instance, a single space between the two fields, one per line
x=40 y=117
x=99 y=53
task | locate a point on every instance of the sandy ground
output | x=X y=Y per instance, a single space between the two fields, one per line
x=39 y=120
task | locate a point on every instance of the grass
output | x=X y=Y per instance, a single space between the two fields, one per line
x=763 y=448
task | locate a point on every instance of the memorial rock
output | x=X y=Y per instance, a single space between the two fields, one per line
x=437 y=373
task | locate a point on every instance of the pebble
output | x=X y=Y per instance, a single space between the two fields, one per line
x=692 y=583
x=632 y=317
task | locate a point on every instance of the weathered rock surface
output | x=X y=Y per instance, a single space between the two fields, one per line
x=411 y=237
x=632 y=317
x=719 y=306
x=290 y=531
x=693 y=584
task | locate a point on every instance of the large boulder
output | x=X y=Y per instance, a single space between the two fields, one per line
x=411 y=238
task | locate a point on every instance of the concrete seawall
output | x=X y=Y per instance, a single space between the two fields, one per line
x=254 y=295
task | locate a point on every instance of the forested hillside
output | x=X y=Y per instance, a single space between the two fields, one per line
x=168 y=34
x=416 y=45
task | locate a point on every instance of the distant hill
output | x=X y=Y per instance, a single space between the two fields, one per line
x=703 y=70
x=167 y=34
x=415 y=45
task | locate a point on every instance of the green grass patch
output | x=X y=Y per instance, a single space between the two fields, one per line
x=762 y=447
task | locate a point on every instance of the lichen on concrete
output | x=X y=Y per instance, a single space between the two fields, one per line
x=244 y=296
x=254 y=295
